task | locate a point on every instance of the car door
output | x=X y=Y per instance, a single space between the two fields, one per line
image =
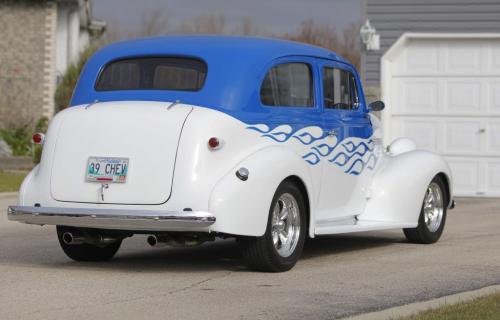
x=347 y=157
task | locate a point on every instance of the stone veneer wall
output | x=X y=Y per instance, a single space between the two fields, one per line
x=27 y=60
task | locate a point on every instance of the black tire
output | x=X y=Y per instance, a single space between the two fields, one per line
x=422 y=233
x=260 y=252
x=86 y=252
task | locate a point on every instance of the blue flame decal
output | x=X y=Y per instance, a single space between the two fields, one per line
x=306 y=138
x=352 y=154
x=311 y=158
x=340 y=159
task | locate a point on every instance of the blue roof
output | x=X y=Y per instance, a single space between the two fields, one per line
x=236 y=67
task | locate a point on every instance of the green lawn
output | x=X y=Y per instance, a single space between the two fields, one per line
x=11 y=181
x=486 y=308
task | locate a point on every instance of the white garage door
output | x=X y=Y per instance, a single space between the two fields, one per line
x=444 y=93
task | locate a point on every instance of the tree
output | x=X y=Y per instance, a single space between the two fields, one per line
x=153 y=23
x=204 y=24
x=347 y=44
x=65 y=88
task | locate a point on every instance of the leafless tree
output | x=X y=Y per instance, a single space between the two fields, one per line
x=347 y=43
x=247 y=28
x=320 y=35
x=351 y=44
x=157 y=22
x=153 y=23
x=204 y=24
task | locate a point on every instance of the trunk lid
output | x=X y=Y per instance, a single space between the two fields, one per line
x=145 y=133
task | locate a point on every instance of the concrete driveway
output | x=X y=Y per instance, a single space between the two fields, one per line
x=337 y=276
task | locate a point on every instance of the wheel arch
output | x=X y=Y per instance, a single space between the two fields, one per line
x=242 y=207
x=390 y=202
x=447 y=184
x=305 y=193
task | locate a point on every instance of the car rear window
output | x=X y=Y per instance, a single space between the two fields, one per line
x=153 y=73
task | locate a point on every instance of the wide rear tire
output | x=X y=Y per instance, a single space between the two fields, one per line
x=432 y=215
x=281 y=245
x=86 y=252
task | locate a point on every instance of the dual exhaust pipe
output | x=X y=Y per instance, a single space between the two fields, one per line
x=166 y=240
x=70 y=238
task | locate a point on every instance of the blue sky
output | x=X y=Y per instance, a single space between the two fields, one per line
x=275 y=16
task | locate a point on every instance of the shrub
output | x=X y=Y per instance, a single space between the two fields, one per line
x=64 y=90
x=18 y=137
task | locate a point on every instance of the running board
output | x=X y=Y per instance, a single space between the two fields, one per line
x=334 y=227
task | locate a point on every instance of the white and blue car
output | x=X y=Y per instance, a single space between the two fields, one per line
x=191 y=138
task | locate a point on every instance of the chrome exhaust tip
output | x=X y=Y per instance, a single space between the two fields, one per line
x=159 y=241
x=152 y=241
x=70 y=239
x=168 y=240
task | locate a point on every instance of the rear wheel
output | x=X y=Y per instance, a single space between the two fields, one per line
x=281 y=245
x=85 y=251
x=432 y=215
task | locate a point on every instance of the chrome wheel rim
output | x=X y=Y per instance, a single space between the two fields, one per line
x=433 y=207
x=285 y=225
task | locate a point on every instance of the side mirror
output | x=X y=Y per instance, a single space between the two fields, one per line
x=376 y=106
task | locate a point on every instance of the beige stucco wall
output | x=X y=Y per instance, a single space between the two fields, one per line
x=27 y=60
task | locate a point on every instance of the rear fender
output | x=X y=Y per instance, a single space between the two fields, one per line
x=242 y=207
x=399 y=186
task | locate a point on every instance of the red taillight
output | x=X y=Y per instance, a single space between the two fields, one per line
x=213 y=143
x=38 y=138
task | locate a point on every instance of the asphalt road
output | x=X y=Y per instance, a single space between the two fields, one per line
x=337 y=276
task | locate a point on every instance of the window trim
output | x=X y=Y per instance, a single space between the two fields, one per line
x=124 y=58
x=312 y=70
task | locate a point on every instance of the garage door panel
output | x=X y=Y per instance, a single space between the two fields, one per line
x=493 y=178
x=465 y=175
x=493 y=104
x=416 y=96
x=462 y=57
x=463 y=96
x=423 y=131
x=462 y=136
x=493 y=54
x=492 y=133
x=419 y=59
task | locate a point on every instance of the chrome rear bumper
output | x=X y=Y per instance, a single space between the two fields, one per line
x=144 y=220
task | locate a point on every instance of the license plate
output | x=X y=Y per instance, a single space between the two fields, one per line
x=107 y=169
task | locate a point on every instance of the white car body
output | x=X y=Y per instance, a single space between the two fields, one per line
x=205 y=150
x=205 y=180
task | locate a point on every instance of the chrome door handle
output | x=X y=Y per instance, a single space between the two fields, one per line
x=333 y=133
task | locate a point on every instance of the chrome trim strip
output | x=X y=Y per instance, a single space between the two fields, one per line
x=112 y=218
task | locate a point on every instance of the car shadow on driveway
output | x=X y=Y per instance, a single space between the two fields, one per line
x=224 y=255
x=342 y=243
x=219 y=255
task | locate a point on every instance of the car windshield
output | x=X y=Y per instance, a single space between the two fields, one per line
x=153 y=73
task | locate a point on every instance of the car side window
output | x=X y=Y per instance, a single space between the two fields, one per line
x=288 y=85
x=339 y=89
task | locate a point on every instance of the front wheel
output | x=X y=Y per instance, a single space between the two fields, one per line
x=85 y=251
x=432 y=215
x=281 y=245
